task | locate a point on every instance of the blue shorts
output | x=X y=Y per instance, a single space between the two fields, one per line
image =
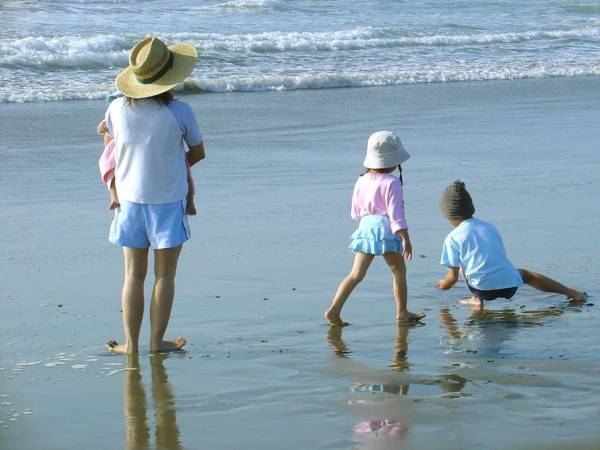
x=138 y=225
x=493 y=294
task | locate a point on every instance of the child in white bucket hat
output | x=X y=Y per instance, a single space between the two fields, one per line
x=378 y=203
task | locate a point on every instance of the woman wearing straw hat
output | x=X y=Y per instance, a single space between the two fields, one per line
x=149 y=129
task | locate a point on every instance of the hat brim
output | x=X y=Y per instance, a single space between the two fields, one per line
x=391 y=160
x=184 y=61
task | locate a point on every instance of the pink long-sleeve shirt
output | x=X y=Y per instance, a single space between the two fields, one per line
x=379 y=194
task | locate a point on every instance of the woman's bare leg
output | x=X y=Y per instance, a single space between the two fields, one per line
x=362 y=261
x=165 y=267
x=545 y=284
x=132 y=299
x=396 y=263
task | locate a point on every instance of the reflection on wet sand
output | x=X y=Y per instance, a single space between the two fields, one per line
x=489 y=330
x=399 y=357
x=374 y=432
x=137 y=435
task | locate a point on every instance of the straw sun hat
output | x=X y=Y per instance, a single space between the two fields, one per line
x=384 y=150
x=155 y=68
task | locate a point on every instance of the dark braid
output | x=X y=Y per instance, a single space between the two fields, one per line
x=400 y=176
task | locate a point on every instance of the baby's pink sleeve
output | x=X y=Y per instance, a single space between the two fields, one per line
x=395 y=207
x=107 y=162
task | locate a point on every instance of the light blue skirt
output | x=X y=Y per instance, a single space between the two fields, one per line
x=374 y=236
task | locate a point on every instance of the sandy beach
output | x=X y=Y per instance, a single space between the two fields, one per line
x=262 y=370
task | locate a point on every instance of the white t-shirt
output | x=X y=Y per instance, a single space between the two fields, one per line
x=150 y=150
x=476 y=247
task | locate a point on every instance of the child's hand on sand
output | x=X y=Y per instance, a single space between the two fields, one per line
x=444 y=284
x=102 y=128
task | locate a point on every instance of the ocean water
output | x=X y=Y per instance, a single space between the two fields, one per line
x=54 y=50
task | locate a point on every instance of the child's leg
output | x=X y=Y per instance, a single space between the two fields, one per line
x=396 y=263
x=114 y=198
x=545 y=284
x=362 y=261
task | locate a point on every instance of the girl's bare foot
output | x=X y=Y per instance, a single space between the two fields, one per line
x=408 y=317
x=472 y=301
x=115 y=347
x=168 y=346
x=333 y=316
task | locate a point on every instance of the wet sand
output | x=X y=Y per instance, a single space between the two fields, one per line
x=262 y=369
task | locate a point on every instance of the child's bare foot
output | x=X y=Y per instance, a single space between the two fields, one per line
x=190 y=209
x=333 y=316
x=168 y=346
x=115 y=347
x=577 y=296
x=408 y=317
x=472 y=301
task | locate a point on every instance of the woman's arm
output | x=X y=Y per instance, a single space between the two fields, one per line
x=195 y=154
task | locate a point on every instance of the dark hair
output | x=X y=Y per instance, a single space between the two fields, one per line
x=386 y=170
x=163 y=98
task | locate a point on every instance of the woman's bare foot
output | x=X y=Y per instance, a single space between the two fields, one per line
x=168 y=346
x=472 y=301
x=577 y=296
x=333 y=316
x=408 y=317
x=115 y=347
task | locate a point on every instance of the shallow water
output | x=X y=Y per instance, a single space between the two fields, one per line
x=262 y=370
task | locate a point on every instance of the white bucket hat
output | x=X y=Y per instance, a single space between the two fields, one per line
x=384 y=150
x=155 y=68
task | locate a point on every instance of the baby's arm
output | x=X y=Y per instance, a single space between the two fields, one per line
x=450 y=279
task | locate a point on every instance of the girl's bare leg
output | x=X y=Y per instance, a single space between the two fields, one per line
x=165 y=266
x=545 y=284
x=396 y=263
x=132 y=299
x=362 y=261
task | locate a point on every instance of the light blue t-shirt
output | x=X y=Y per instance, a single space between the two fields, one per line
x=476 y=247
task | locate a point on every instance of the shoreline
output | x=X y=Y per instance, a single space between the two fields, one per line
x=193 y=92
